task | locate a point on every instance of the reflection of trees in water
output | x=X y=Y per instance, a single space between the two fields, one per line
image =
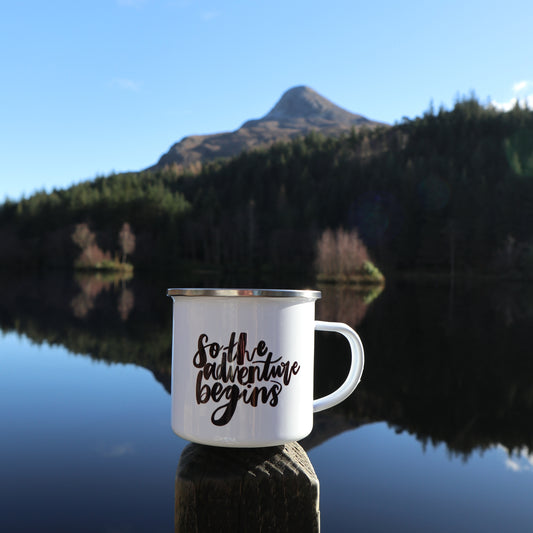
x=92 y=285
x=126 y=302
x=512 y=303
x=460 y=375
x=345 y=303
x=107 y=318
x=520 y=460
x=90 y=288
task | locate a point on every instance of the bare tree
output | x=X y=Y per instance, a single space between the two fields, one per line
x=326 y=261
x=91 y=254
x=126 y=240
x=83 y=236
x=342 y=253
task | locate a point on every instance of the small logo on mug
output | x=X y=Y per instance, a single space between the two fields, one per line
x=232 y=373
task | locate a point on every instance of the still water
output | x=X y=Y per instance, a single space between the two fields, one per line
x=437 y=437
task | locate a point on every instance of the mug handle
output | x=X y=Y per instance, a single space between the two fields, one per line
x=356 y=368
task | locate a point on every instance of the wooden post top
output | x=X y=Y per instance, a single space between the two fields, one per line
x=246 y=489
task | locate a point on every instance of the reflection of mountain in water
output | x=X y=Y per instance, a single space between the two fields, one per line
x=446 y=367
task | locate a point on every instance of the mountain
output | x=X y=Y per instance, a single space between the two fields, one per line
x=299 y=111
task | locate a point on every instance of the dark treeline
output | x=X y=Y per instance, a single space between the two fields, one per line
x=451 y=191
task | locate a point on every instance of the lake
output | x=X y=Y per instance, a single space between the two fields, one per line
x=437 y=437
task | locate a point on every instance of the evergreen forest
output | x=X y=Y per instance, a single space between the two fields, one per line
x=450 y=192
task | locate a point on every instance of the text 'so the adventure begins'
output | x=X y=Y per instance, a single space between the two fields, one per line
x=231 y=373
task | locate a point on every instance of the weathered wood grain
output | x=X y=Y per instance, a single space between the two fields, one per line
x=259 y=490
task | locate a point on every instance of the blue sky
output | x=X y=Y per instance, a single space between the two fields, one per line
x=91 y=87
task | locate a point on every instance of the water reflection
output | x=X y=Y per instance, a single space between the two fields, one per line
x=449 y=368
x=460 y=376
x=85 y=446
x=519 y=460
x=111 y=319
x=92 y=285
x=346 y=303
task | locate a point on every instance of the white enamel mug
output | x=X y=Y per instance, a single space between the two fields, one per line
x=242 y=365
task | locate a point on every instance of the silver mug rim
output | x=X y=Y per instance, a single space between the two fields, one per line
x=256 y=293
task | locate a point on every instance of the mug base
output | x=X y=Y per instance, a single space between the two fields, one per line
x=227 y=442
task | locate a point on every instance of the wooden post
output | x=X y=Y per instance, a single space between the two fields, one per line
x=259 y=490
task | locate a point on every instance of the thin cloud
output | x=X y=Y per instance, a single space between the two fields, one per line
x=179 y=3
x=126 y=84
x=522 y=98
x=119 y=450
x=131 y=3
x=210 y=15
x=504 y=106
x=526 y=101
x=518 y=461
x=513 y=465
x=521 y=86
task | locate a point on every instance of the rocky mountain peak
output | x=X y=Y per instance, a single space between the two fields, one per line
x=298 y=111
x=304 y=102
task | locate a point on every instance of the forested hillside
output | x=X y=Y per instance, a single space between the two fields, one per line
x=451 y=191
